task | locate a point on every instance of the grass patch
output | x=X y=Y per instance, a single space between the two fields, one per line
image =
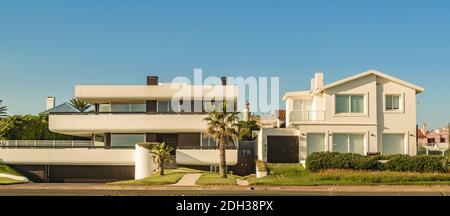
x=170 y=177
x=215 y=179
x=7 y=181
x=8 y=170
x=295 y=174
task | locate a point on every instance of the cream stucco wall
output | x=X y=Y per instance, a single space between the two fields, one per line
x=126 y=123
x=67 y=156
x=107 y=93
x=205 y=157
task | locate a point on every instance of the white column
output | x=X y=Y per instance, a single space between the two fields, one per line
x=143 y=163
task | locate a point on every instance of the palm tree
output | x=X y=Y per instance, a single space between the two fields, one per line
x=79 y=104
x=2 y=109
x=161 y=155
x=223 y=126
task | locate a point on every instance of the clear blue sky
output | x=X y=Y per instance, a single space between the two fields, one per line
x=47 y=47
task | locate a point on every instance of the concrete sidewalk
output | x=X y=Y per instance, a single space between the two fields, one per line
x=101 y=189
x=188 y=179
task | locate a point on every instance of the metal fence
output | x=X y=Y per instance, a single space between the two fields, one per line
x=46 y=143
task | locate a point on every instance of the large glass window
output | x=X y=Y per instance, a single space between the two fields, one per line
x=208 y=141
x=340 y=143
x=315 y=142
x=120 y=107
x=349 y=104
x=393 y=144
x=126 y=139
x=126 y=107
x=392 y=102
x=104 y=107
x=138 y=107
x=356 y=143
x=348 y=143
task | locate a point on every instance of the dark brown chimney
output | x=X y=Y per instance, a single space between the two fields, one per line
x=224 y=80
x=152 y=80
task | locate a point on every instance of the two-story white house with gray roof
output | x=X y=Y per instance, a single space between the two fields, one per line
x=370 y=112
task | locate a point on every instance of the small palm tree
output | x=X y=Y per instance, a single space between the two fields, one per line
x=79 y=104
x=223 y=126
x=161 y=155
x=2 y=109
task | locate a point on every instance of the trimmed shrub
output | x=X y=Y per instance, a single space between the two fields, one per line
x=334 y=160
x=419 y=163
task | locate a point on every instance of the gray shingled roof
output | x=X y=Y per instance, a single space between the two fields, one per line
x=65 y=107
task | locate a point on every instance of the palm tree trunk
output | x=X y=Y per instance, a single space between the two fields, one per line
x=223 y=162
x=161 y=167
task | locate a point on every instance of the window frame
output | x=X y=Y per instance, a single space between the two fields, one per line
x=401 y=103
x=350 y=113
x=348 y=135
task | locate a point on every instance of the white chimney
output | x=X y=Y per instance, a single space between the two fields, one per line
x=318 y=77
x=50 y=102
x=313 y=85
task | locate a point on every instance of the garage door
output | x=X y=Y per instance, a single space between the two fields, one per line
x=282 y=149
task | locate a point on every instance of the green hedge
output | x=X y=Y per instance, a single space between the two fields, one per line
x=335 y=160
x=419 y=163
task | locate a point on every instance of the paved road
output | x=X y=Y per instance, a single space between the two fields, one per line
x=102 y=190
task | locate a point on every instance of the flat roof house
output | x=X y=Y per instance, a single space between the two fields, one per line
x=124 y=115
x=370 y=112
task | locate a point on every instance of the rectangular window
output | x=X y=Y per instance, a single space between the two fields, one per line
x=357 y=103
x=138 y=107
x=340 y=143
x=120 y=107
x=163 y=106
x=342 y=104
x=127 y=139
x=104 y=107
x=348 y=143
x=393 y=144
x=349 y=104
x=356 y=143
x=315 y=142
x=128 y=107
x=442 y=140
x=208 y=141
x=392 y=102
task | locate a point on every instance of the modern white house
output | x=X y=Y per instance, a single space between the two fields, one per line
x=123 y=116
x=370 y=112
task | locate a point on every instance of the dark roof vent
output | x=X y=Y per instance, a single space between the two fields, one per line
x=224 y=80
x=152 y=80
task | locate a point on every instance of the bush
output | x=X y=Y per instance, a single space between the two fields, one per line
x=419 y=163
x=334 y=160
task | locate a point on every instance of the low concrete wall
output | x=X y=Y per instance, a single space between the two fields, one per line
x=67 y=156
x=204 y=157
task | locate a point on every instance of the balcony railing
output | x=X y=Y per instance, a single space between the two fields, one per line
x=53 y=144
x=128 y=113
x=313 y=115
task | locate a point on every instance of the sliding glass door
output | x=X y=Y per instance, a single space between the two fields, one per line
x=315 y=142
x=348 y=143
